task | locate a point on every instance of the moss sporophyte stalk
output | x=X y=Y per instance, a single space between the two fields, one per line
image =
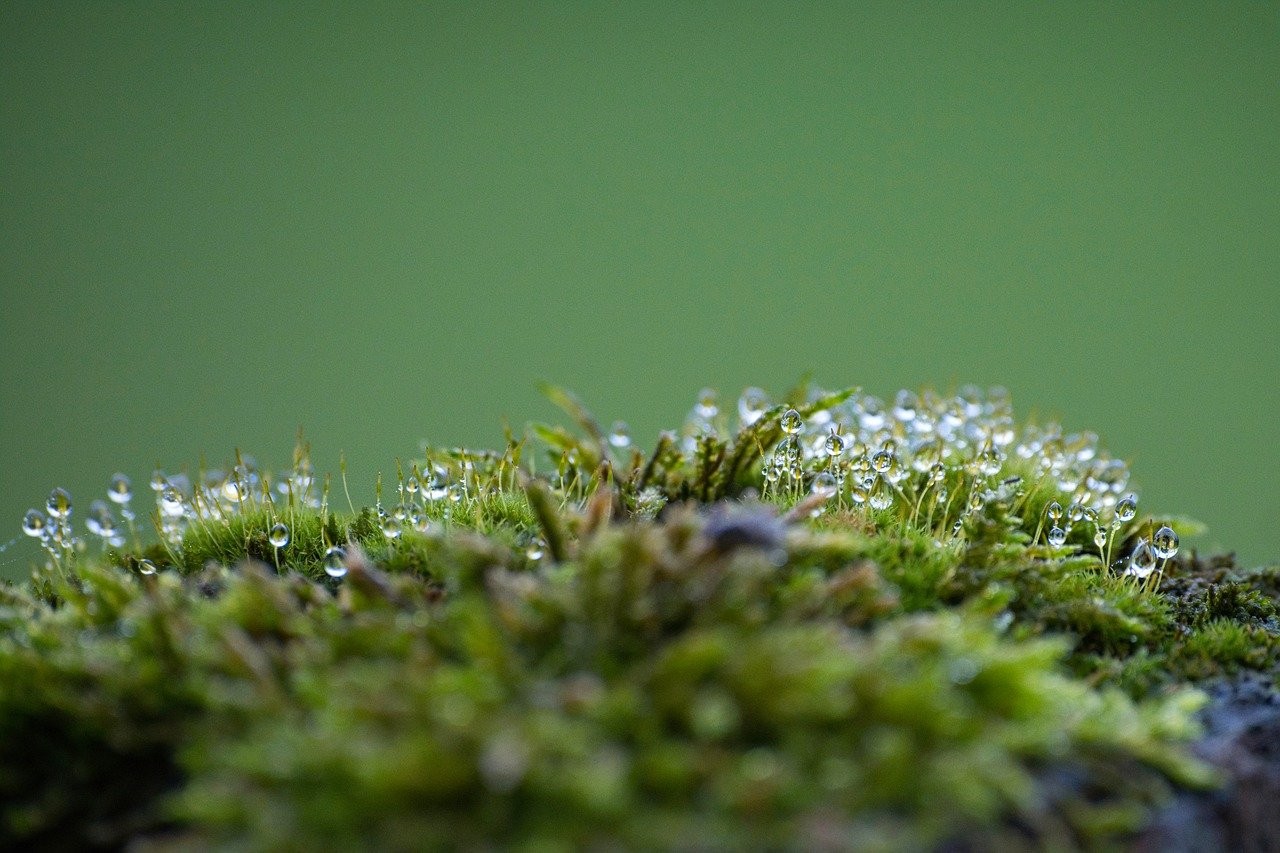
x=822 y=622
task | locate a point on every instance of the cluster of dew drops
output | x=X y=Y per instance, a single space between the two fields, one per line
x=217 y=495
x=867 y=453
x=861 y=453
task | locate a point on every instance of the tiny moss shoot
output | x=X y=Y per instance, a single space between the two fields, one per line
x=826 y=621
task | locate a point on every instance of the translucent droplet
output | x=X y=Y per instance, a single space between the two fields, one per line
x=121 y=489
x=535 y=549
x=772 y=470
x=706 y=406
x=1057 y=537
x=1126 y=509
x=882 y=461
x=905 y=405
x=454 y=492
x=335 y=561
x=791 y=422
x=835 y=443
x=881 y=498
x=279 y=534
x=1142 y=562
x=400 y=512
x=752 y=405
x=34 y=524
x=1075 y=512
x=937 y=472
x=860 y=493
x=171 y=503
x=1100 y=537
x=412 y=485
x=989 y=462
x=146 y=567
x=1165 y=543
x=59 y=503
x=620 y=435
x=158 y=481
x=391 y=527
x=825 y=484
x=234 y=490
x=1054 y=511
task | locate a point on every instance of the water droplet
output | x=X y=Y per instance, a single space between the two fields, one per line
x=1075 y=512
x=335 y=561
x=34 y=524
x=59 y=503
x=1054 y=511
x=158 y=481
x=881 y=497
x=1142 y=562
x=835 y=443
x=905 y=405
x=234 y=489
x=860 y=493
x=825 y=484
x=391 y=527
x=1100 y=537
x=146 y=567
x=989 y=462
x=791 y=422
x=1165 y=543
x=937 y=472
x=454 y=492
x=620 y=435
x=882 y=461
x=1126 y=509
x=121 y=489
x=752 y=405
x=171 y=503
x=706 y=406
x=1057 y=537
x=535 y=549
x=279 y=534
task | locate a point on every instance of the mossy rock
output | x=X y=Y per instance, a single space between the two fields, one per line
x=573 y=644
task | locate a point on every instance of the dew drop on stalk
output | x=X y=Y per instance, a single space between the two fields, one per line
x=234 y=489
x=1075 y=512
x=1100 y=537
x=412 y=485
x=1142 y=562
x=859 y=493
x=706 y=406
x=791 y=422
x=1057 y=536
x=1165 y=543
x=535 y=549
x=335 y=561
x=620 y=435
x=391 y=527
x=882 y=461
x=881 y=497
x=59 y=503
x=752 y=405
x=171 y=503
x=824 y=484
x=1126 y=509
x=146 y=567
x=121 y=489
x=158 y=481
x=1054 y=511
x=279 y=535
x=834 y=444
x=34 y=524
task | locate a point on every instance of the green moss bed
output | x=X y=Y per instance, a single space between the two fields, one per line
x=823 y=623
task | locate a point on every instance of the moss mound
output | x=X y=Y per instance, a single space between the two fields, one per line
x=833 y=626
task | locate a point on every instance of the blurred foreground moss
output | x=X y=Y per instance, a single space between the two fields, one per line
x=627 y=651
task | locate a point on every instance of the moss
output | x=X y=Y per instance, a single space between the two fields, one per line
x=569 y=644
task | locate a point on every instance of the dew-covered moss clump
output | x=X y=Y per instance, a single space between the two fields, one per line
x=826 y=623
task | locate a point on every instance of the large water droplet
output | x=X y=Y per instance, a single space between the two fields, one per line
x=1126 y=509
x=791 y=422
x=620 y=435
x=279 y=534
x=1165 y=543
x=34 y=524
x=825 y=484
x=121 y=490
x=752 y=405
x=335 y=561
x=59 y=503
x=1057 y=536
x=1142 y=562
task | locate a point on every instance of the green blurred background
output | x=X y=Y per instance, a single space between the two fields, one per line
x=386 y=222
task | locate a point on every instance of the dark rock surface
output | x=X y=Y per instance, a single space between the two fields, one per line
x=1242 y=739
